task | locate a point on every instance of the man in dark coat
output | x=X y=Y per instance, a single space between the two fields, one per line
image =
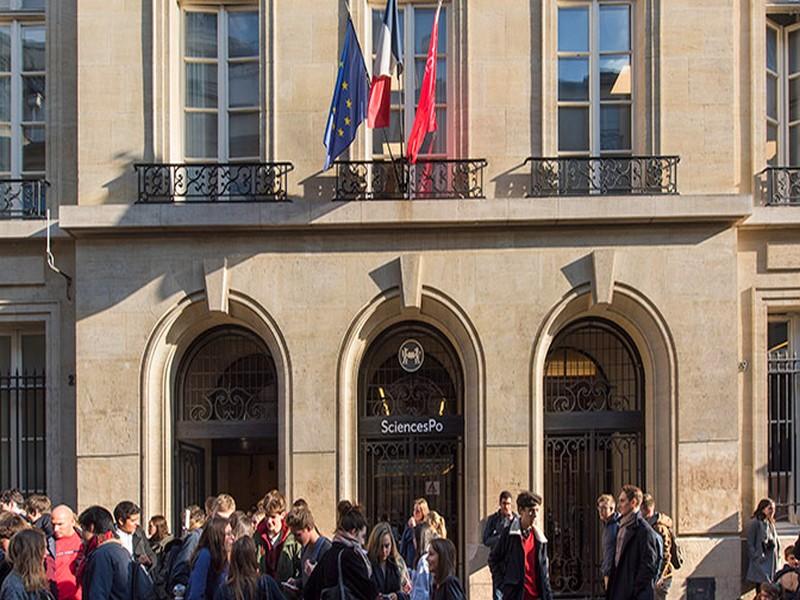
x=519 y=562
x=106 y=571
x=636 y=559
x=495 y=525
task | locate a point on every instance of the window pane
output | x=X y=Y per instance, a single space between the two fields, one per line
x=201 y=85
x=5 y=354
x=615 y=77
x=5 y=49
x=243 y=84
x=794 y=146
x=243 y=130
x=5 y=148
x=778 y=336
x=242 y=34
x=33 y=148
x=794 y=51
x=772 y=145
x=5 y=98
x=392 y=135
x=573 y=78
x=794 y=99
x=441 y=79
x=201 y=35
x=33 y=99
x=573 y=129
x=615 y=28
x=201 y=135
x=573 y=29
x=772 y=96
x=377 y=23
x=33 y=58
x=423 y=25
x=33 y=4
x=33 y=353
x=772 y=49
x=615 y=127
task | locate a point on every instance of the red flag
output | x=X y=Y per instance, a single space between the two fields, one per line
x=425 y=119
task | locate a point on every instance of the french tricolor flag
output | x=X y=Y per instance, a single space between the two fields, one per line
x=389 y=53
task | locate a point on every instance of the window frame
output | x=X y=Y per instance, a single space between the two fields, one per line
x=410 y=56
x=784 y=78
x=222 y=61
x=595 y=101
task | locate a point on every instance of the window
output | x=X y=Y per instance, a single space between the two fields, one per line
x=23 y=108
x=416 y=23
x=22 y=5
x=595 y=99
x=221 y=86
x=783 y=393
x=783 y=91
x=22 y=410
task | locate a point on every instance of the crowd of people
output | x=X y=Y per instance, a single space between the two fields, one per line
x=764 y=552
x=272 y=552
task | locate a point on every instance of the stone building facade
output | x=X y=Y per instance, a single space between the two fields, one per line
x=565 y=325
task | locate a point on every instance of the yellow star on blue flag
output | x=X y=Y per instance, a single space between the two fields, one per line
x=349 y=104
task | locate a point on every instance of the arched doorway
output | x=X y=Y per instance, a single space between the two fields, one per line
x=411 y=426
x=594 y=444
x=225 y=419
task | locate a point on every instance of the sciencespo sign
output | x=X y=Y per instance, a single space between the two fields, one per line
x=394 y=427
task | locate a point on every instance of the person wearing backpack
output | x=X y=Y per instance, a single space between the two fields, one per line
x=243 y=581
x=301 y=522
x=346 y=565
x=27 y=580
x=662 y=525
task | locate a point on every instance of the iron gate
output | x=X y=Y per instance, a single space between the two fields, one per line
x=401 y=458
x=594 y=444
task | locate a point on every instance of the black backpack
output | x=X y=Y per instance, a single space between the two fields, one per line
x=338 y=591
x=162 y=571
x=141 y=583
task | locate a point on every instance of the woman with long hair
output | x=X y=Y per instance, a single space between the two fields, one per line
x=763 y=546
x=442 y=561
x=424 y=534
x=437 y=522
x=388 y=568
x=244 y=582
x=158 y=534
x=210 y=560
x=27 y=580
x=347 y=553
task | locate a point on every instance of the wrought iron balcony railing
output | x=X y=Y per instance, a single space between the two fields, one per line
x=432 y=179
x=606 y=175
x=782 y=186
x=213 y=182
x=23 y=198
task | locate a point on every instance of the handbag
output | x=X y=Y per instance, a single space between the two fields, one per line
x=338 y=591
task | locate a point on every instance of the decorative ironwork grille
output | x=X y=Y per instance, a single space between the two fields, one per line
x=583 y=176
x=213 y=182
x=22 y=432
x=594 y=444
x=395 y=470
x=783 y=434
x=229 y=376
x=24 y=198
x=398 y=180
x=783 y=186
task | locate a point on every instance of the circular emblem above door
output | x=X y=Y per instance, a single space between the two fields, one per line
x=411 y=355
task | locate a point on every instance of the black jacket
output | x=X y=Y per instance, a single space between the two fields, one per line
x=495 y=525
x=633 y=578
x=388 y=582
x=107 y=573
x=354 y=570
x=507 y=563
x=450 y=589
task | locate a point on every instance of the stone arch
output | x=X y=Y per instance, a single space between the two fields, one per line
x=638 y=316
x=443 y=313
x=169 y=340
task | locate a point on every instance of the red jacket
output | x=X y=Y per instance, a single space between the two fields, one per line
x=271 y=552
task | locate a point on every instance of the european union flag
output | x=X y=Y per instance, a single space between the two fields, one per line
x=349 y=105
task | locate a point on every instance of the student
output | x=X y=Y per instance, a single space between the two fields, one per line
x=763 y=546
x=442 y=560
x=27 y=580
x=244 y=582
x=609 y=519
x=128 y=518
x=105 y=571
x=210 y=561
x=67 y=544
x=421 y=579
x=37 y=507
x=301 y=521
x=10 y=524
x=419 y=513
x=789 y=577
x=388 y=568
x=280 y=551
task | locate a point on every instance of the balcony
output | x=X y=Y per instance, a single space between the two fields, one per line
x=434 y=179
x=23 y=198
x=212 y=182
x=782 y=186
x=607 y=175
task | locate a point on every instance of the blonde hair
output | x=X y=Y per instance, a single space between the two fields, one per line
x=380 y=531
x=223 y=503
x=422 y=505
x=606 y=499
x=273 y=503
x=437 y=523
